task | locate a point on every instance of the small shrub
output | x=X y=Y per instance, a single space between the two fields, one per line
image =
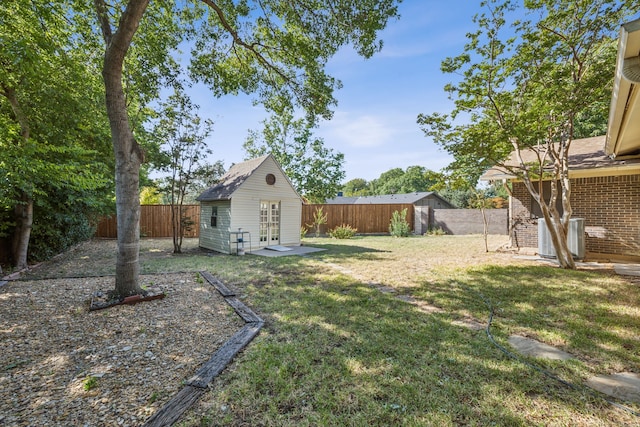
x=399 y=227
x=303 y=232
x=319 y=219
x=436 y=232
x=343 y=231
x=90 y=383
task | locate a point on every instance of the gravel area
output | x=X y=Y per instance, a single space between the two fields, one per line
x=61 y=365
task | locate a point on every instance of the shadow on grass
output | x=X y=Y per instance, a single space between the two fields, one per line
x=337 y=352
x=97 y=257
x=352 y=248
x=593 y=315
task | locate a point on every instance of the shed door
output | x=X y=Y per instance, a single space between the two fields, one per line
x=269 y=223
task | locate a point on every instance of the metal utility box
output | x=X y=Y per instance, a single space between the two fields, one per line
x=575 y=239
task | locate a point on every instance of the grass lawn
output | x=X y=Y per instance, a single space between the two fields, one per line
x=338 y=351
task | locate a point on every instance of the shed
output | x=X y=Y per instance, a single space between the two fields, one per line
x=428 y=198
x=255 y=197
x=423 y=203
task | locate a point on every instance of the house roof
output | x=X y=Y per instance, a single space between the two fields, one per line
x=587 y=157
x=232 y=180
x=623 y=133
x=387 y=199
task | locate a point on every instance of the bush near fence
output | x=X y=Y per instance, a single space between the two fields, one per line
x=368 y=219
x=155 y=221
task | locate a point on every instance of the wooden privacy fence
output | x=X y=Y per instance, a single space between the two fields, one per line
x=155 y=221
x=365 y=218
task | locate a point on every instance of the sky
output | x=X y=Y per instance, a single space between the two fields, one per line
x=374 y=123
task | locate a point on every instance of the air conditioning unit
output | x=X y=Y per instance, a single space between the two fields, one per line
x=575 y=239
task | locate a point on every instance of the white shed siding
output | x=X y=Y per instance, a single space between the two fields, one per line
x=245 y=214
x=217 y=238
x=245 y=205
x=290 y=221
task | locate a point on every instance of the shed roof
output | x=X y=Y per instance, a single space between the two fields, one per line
x=232 y=180
x=409 y=198
x=586 y=158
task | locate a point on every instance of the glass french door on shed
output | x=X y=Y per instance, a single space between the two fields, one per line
x=269 y=223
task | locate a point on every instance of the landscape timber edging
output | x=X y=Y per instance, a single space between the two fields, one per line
x=197 y=385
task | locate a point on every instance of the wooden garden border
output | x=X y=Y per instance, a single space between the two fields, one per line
x=197 y=385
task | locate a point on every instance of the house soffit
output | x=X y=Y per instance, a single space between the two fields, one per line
x=623 y=134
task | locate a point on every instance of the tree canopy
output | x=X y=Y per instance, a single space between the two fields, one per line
x=55 y=162
x=356 y=187
x=394 y=181
x=181 y=135
x=314 y=170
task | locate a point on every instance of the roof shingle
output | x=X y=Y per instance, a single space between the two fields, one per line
x=231 y=181
x=387 y=199
x=584 y=154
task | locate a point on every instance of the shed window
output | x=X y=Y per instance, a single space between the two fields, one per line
x=214 y=216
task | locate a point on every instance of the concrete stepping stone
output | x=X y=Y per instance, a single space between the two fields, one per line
x=422 y=306
x=382 y=288
x=530 y=347
x=469 y=323
x=623 y=386
x=627 y=269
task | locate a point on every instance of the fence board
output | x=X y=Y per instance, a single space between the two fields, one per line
x=367 y=219
x=155 y=221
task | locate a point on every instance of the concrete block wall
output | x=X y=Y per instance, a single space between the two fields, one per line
x=421 y=219
x=469 y=221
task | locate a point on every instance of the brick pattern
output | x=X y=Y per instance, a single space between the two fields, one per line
x=610 y=206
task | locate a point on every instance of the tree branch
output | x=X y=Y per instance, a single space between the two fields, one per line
x=238 y=40
x=129 y=21
x=21 y=117
x=103 y=19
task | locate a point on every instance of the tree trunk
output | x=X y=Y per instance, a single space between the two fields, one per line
x=22 y=233
x=181 y=220
x=176 y=215
x=23 y=211
x=128 y=215
x=485 y=229
x=558 y=234
x=128 y=153
x=557 y=230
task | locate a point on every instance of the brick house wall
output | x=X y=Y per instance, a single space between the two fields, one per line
x=610 y=206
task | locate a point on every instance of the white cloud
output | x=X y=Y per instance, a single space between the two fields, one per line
x=357 y=131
